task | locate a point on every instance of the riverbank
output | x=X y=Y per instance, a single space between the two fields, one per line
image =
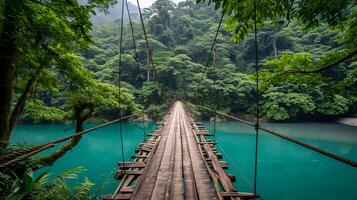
x=350 y=121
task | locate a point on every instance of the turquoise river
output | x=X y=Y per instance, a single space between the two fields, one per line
x=285 y=171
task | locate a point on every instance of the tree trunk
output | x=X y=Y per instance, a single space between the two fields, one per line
x=80 y=119
x=50 y=159
x=274 y=44
x=21 y=102
x=7 y=70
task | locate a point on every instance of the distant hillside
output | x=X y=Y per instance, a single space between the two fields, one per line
x=115 y=12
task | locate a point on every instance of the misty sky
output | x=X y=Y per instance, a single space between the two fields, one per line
x=147 y=3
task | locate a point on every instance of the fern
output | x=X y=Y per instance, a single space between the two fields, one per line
x=82 y=190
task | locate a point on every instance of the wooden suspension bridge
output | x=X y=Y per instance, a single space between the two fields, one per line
x=176 y=162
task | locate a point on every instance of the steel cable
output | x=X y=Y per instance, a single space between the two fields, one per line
x=137 y=65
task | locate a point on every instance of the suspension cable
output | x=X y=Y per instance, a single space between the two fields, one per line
x=138 y=66
x=215 y=93
x=288 y=138
x=231 y=161
x=119 y=82
x=17 y=156
x=146 y=40
x=257 y=98
x=209 y=58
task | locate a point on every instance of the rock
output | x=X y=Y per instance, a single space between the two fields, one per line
x=350 y=121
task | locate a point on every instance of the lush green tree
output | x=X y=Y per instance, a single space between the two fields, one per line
x=36 y=110
x=86 y=102
x=33 y=33
x=282 y=106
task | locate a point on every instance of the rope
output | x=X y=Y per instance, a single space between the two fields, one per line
x=119 y=81
x=291 y=139
x=235 y=166
x=137 y=65
x=146 y=40
x=13 y=158
x=209 y=57
x=215 y=94
x=257 y=99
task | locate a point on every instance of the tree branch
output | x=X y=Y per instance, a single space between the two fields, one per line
x=51 y=158
x=88 y=115
x=21 y=102
x=53 y=9
x=328 y=66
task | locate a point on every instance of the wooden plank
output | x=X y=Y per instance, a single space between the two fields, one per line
x=132 y=164
x=131 y=172
x=177 y=176
x=117 y=197
x=205 y=134
x=147 y=181
x=224 y=164
x=127 y=189
x=139 y=156
x=232 y=177
x=180 y=164
x=143 y=149
x=203 y=181
x=209 y=142
x=218 y=155
x=150 y=134
x=163 y=178
x=244 y=195
x=189 y=179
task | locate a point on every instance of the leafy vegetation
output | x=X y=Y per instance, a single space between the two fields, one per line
x=41 y=188
x=180 y=37
x=58 y=65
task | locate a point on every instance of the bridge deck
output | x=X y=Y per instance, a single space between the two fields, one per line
x=177 y=162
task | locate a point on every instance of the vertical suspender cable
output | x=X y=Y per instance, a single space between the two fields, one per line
x=119 y=81
x=150 y=60
x=215 y=93
x=146 y=39
x=195 y=100
x=257 y=98
x=137 y=65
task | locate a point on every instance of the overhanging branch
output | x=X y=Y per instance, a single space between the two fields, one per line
x=319 y=70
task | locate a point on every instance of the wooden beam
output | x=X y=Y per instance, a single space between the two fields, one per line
x=232 y=177
x=139 y=156
x=244 y=195
x=224 y=164
x=117 y=197
x=209 y=142
x=132 y=164
x=205 y=134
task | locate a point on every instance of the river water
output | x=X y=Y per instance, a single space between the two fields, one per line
x=285 y=171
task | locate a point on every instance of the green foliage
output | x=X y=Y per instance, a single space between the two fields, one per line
x=335 y=105
x=282 y=106
x=151 y=92
x=180 y=37
x=95 y=95
x=309 y=13
x=38 y=111
x=42 y=187
x=321 y=90
x=157 y=111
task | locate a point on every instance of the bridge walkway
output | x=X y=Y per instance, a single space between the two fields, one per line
x=177 y=162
